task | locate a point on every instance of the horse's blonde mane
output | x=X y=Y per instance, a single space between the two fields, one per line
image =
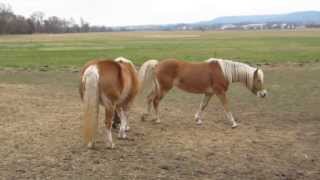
x=236 y=71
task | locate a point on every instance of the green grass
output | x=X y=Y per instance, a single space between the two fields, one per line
x=73 y=50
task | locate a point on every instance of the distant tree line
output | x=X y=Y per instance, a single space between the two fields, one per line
x=11 y=23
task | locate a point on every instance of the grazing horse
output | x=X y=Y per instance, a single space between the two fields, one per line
x=211 y=77
x=112 y=84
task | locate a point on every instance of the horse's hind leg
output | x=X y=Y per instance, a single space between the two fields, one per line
x=224 y=101
x=109 y=112
x=156 y=102
x=116 y=121
x=124 y=123
x=204 y=102
x=150 y=98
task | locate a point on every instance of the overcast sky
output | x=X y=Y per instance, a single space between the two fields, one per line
x=137 y=12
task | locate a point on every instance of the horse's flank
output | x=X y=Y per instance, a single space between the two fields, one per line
x=191 y=77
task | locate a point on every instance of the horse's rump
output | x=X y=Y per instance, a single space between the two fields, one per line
x=113 y=84
x=111 y=81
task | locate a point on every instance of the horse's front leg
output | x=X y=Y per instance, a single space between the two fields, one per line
x=204 y=102
x=224 y=101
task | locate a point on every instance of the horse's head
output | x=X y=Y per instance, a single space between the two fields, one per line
x=257 y=85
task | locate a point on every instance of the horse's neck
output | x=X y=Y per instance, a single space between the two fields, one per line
x=239 y=72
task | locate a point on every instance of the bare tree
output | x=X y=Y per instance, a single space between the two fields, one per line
x=37 y=19
x=6 y=15
x=11 y=23
x=85 y=27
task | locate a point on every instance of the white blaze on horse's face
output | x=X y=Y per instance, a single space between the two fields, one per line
x=257 y=86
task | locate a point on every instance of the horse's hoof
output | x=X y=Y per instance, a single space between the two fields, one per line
x=122 y=136
x=199 y=122
x=90 y=145
x=143 y=118
x=234 y=126
x=111 y=146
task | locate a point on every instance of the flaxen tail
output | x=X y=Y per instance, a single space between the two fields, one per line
x=90 y=91
x=147 y=74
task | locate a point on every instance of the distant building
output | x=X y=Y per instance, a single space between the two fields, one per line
x=228 y=27
x=283 y=26
x=301 y=27
x=275 y=26
x=254 y=26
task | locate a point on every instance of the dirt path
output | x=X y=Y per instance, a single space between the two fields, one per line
x=278 y=138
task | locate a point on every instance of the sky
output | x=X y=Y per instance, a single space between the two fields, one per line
x=142 y=12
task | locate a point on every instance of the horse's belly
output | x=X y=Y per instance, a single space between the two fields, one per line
x=194 y=86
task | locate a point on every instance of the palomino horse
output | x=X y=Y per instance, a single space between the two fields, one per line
x=113 y=84
x=210 y=77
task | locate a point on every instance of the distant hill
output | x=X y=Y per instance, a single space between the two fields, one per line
x=305 y=17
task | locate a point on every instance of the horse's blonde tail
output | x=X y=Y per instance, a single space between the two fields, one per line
x=90 y=82
x=147 y=73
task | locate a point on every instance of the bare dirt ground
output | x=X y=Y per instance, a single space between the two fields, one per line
x=278 y=137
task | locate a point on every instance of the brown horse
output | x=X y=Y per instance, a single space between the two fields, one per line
x=113 y=84
x=208 y=78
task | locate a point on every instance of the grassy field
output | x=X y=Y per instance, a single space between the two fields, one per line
x=278 y=137
x=72 y=50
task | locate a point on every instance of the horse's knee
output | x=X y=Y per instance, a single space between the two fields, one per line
x=108 y=123
x=156 y=102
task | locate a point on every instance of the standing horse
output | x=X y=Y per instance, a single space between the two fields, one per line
x=210 y=77
x=114 y=85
